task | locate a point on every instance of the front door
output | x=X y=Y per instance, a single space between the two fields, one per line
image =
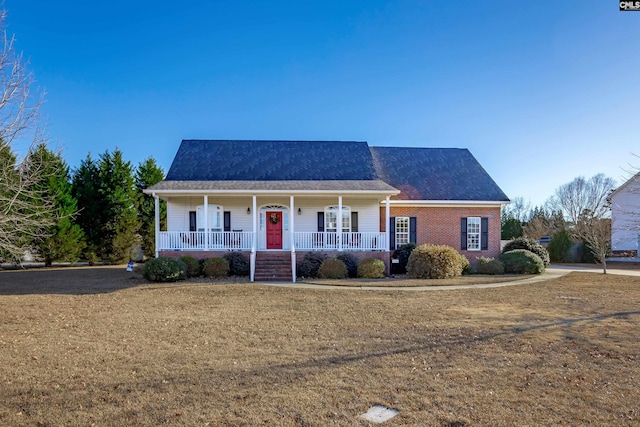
x=274 y=230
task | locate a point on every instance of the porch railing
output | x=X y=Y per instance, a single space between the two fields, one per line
x=309 y=241
x=197 y=240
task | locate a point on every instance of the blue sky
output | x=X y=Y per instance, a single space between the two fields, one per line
x=539 y=91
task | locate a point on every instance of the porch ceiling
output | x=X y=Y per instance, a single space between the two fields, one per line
x=355 y=187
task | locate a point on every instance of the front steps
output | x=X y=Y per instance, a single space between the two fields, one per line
x=273 y=266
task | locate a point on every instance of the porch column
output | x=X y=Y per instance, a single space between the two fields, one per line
x=292 y=229
x=388 y=226
x=206 y=222
x=254 y=245
x=339 y=224
x=156 y=200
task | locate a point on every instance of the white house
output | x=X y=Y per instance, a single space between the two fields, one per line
x=625 y=218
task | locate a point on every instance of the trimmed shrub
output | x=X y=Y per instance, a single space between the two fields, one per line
x=215 y=268
x=371 y=268
x=332 y=268
x=467 y=268
x=310 y=264
x=193 y=266
x=560 y=247
x=164 y=269
x=351 y=262
x=238 y=263
x=529 y=245
x=522 y=261
x=434 y=262
x=402 y=255
x=489 y=266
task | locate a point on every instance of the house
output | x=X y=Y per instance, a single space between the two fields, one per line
x=625 y=218
x=276 y=200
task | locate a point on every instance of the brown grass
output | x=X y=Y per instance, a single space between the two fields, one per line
x=95 y=347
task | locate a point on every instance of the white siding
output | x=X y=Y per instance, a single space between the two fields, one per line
x=625 y=218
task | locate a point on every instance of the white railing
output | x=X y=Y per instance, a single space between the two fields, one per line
x=201 y=241
x=310 y=241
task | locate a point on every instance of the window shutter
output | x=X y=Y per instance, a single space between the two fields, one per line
x=392 y=234
x=354 y=222
x=463 y=233
x=227 y=221
x=320 y=222
x=484 y=233
x=192 y=221
x=412 y=229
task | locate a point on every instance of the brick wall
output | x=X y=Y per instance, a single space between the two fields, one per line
x=441 y=226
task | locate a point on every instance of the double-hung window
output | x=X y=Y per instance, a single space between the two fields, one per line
x=402 y=231
x=473 y=233
x=331 y=219
x=214 y=213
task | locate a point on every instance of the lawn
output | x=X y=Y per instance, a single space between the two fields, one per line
x=95 y=347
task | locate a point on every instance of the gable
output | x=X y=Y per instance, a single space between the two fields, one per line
x=447 y=174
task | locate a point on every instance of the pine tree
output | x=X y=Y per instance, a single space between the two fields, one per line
x=64 y=240
x=91 y=216
x=148 y=174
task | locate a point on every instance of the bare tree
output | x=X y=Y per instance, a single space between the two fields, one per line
x=25 y=213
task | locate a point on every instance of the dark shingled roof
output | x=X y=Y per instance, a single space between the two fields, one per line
x=435 y=174
x=223 y=160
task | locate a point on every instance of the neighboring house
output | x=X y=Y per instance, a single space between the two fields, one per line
x=276 y=200
x=625 y=218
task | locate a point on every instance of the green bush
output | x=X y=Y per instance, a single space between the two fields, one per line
x=402 y=255
x=489 y=266
x=351 y=262
x=560 y=247
x=332 y=268
x=193 y=266
x=310 y=264
x=371 y=268
x=164 y=269
x=434 y=262
x=215 y=268
x=529 y=245
x=522 y=261
x=238 y=263
x=467 y=268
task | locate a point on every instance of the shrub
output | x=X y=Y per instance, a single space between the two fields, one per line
x=489 y=266
x=529 y=245
x=310 y=264
x=193 y=266
x=238 y=263
x=351 y=262
x=522 y=261
x=215 y=268
x=164 y=269
x=332 y=268
x=371 y=268
x=434 y=262
x=402 y=255
x=560 y=247
x=466 y=265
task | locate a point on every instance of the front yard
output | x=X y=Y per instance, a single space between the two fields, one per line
x=95 y=347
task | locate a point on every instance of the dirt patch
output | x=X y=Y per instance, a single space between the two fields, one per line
x=404 y=282
x=562 y=351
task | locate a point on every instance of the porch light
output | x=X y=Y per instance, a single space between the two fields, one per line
x=299 y=211
x=248 y=211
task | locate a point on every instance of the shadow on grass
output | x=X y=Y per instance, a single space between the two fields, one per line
x=67 y=281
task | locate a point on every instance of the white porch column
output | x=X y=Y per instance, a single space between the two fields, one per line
x=206 y=222
x=292 y=229
x=388 y=227
x=156 y=200
x=339 y=224
x=254 y=245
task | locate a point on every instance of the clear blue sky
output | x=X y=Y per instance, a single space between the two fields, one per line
x=539 y=91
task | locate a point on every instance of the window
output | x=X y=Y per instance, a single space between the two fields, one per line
x=215 y=217
x=473 y=233
x=402 y=231
x=331 y=219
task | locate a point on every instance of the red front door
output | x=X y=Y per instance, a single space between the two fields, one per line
x=274 y=230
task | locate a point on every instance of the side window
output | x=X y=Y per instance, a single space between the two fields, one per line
x=473 y=233
x=402 y=230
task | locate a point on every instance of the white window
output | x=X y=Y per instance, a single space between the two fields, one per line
x=331 y=219
x=473 y=233
x=402 y=230
x=214 y=212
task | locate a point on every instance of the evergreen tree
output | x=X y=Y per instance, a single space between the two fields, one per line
x=91 y=215
x=148 y=174
x=64 y=240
